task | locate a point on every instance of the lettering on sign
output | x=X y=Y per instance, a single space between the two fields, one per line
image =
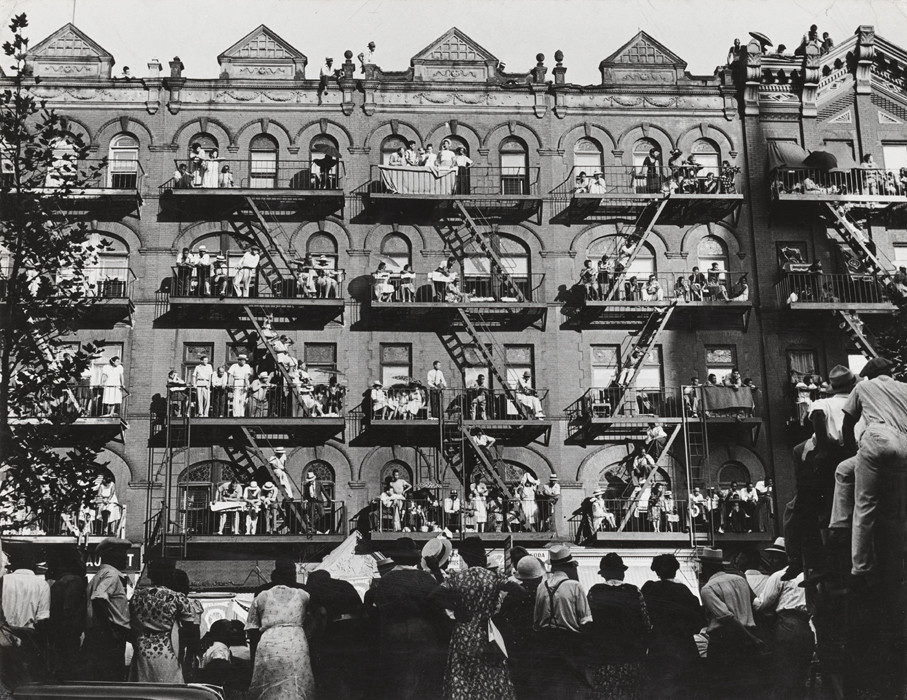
x=134 y=560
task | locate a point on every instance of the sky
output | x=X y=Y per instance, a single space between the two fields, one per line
x=699 y=31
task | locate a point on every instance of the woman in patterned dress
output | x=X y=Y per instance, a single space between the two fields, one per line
x=154 y=610
x=473 y=595
x=282 y=667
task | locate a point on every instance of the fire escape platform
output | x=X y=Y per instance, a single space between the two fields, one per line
x=514 y=432
x=503 y=315
x=282 y=430
x=419 y=432
x=214 y=312
x=692 y=315
x=196 y=200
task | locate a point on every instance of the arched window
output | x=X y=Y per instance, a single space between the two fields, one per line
x=641 y=151
x=733 y=471
x=513 y=472
x=588 y=157
x=387 y=472
x=389 y=146
x=647 y=171
x=111 y=274
x=197 y=486
x=322 y=244
x=643 y=264
x=324 y=476
x=457 y=142
x=202 y=174
x=323 y=150
x=65 y=165
x=613 y=478
x=707 y=155
x=514 y=166
x=396 y=251
x=483 y=280
x=205 y=141
x=123 y=162
x=263 y=162
x=711 y=250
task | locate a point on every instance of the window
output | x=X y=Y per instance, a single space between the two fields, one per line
x=514 y=167
x=650 y=375
x=65 y=164
x=324 y=476
x=643 y=264
x=707 y=155
x=843 y=150
x=474 y=365
x=263 y=162
x=457 y=142
x=711 y=250
x=320 y=146
x=894 y=156
x=791 y=253
x=396 y=362
x=123 y=162
x=800 y=363
x=234 y=350
x=323 y=244
x=7 y=175
x=720 y=360
x=519 y=359
x=192 y=354
x=93 y=374
x=856 y=361
x=900 y=255
x=587 y=157
x=111 y=273
x=207 y=142
x=387 y=472
x=605 y=361
x=395 y=251
x=389 y=146
x=733 y=471
x=321 y=360
x=477 y=270
x=641 y=151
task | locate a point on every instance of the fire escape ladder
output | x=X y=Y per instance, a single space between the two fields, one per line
x=641 y=230
x=288 y=381
x=252 y=228
x=481 y=341
x=871 y=261
x=640 y=349
x=489 y=469
x=631 y=511
x=853 y=325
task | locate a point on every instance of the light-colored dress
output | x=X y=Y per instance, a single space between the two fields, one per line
x=154 y=611
x=283 y=670
x=211 y=176
x=479 y=496
x=113 y=384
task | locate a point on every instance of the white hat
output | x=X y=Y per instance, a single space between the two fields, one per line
x=242 y=357
x=280 y=450
x=310 y=476
x=377 y=382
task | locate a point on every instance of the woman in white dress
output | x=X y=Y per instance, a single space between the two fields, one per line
x=415 y=402
x=479 y=494
x=226 y=177
x=408 y=284
x=109 y=509
x=526 y=492
x=112 y=381
x=212 y=170
x=384 y=291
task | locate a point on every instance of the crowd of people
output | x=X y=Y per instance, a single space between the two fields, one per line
x=598 y=280
x=431 y=625
x=200 y=274
x=527 y=506
x=446 y=286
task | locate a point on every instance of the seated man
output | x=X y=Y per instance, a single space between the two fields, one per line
x=597 y=186
x=528 y=396
x=379 y=400
x=391 y=508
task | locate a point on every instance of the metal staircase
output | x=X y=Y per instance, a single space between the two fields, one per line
x=253 y=229
x=645 y=222
x=285 y=376
x=650 y=478
x=636 y=350
x=853 y=326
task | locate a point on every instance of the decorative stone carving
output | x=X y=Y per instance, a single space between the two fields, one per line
x=642 y=60
x=886 y=118
x=262 y=55
x=844 y=118
x=753 y=77
x=811 y=76
x=454 y=57
x=559 y=70
x=865 y=53
x=69 y=53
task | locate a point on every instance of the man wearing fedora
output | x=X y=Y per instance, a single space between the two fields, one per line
x=561 y=612
x=815 y=461
x=734 y=648
x=792 y=637
x=881 y=402
x=108 y=623
x=548 y=496
x=240 y=377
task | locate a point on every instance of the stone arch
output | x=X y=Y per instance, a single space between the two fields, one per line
x=530 y=136
x=121 y=231
x=464 y=131
x=377 y=233
x=199 y=230
x=284 y=141
x=329 y=226
x=132 y=126
x=533 y=459
x=590 y=467
x=323 y=126
x=719 y=455
x=594 y=131
x=332 y=452
x=374 y=461
x=626 y=140
x=713 y=133
x=81 y=130
x=533 y=240
x=404 y=130
x=118 y=465
x=584 y=239
x=215 y=127
x=724 y=233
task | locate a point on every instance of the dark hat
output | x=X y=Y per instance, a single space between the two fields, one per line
x=666 y=563
x=712 y=556
x=612 y=561
x=841 y=379
x=877 y=366
x=285 y=566
x=517 y=553
x=559 y=555
x=472 y=551
x=109 y=544
x=406 y=552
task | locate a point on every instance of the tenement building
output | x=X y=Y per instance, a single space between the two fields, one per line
x=448 y=295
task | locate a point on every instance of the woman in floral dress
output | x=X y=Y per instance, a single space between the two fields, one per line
x=282 y=666
x=474 y=673
x=154 y=610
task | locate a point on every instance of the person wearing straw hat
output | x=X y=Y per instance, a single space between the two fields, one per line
x=315 y=500
x=881 y=403
x=246 y=272
x=733 y=645
x=561 y=614
x=793 y=640
x=815 y=461
x=548 y=496
x=378 y=398
x=619 y=633
x=240 y=377
x=515 y=622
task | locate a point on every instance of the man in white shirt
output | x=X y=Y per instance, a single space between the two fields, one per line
x=367 y=57
x=597 y=186
x=278 y=464
x=201 y=380
x=240 y=378
x=325 y=74
x=185 y=272
x=26 y=606
x=452 y=507
x=548 y=495
x=203 y=270
x=247 y=271
x=436 y=385
x=528 y=396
